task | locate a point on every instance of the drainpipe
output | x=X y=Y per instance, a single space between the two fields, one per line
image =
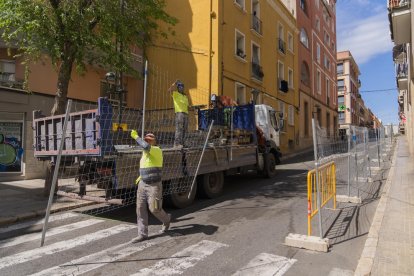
x=212 y=15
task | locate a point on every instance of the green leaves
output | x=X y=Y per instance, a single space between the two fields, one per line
x=83 y=30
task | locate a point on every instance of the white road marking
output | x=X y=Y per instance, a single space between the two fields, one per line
x=61 y=246
x=50 y=232
x=182 y=260
x=340 y=272
x=266 y=264
x=37 y=222
x=99 y=259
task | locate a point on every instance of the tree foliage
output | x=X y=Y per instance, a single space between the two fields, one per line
x=74 y=33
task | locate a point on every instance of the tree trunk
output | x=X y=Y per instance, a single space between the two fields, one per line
x=64 y=74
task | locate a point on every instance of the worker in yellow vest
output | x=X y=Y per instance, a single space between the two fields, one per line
x=181 y=113
x=149 y=192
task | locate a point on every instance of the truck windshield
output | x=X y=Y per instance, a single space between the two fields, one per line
x=273 y=121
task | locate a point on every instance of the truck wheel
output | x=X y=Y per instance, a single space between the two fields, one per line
x=269 y=169
x=211 y=184
x=181 y=200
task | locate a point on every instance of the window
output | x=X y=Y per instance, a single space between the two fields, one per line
x=318 y=82
x=341 y=85
x=290 y=42
x=341 y=116
x=240 y=93
x=304 y=38
x=326 y=38
x=291 y=115
x=240 y=3
x=281 y=40
x=317 y=4
x=341 y=100
x=318 y=25
x=303 y=6
x=327 y=62
x=340 y=68
x=280 y=74
x=282 y=111
x=328 y=92
x=240 y=48
x=7 y=70
x=304 y=74
x=256 y=22
x=318 y=52
x=290 y=78
x=257 y=71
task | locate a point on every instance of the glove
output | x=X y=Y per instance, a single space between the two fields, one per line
x=134 y=134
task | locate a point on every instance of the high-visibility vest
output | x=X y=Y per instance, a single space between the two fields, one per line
x=180 y=102
x=152 y=158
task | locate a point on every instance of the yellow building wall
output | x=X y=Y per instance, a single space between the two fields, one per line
x=185 y=56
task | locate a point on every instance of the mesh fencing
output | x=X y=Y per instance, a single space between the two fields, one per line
x=100 y=161
x=359 y=154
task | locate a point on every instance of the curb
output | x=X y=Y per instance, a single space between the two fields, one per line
x=366 y=260
x=295 y=154
x=35 y=214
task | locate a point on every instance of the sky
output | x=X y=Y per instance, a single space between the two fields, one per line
x=363 y=28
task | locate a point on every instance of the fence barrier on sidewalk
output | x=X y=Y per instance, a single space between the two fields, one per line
x=322 y=179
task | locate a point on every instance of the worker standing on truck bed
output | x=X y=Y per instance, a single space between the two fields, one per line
x=149 y=190
x=181 y=113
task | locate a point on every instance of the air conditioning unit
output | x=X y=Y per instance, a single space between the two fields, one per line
x=283 y=86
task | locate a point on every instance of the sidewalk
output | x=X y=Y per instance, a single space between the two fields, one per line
x=389 y=248
x=21 y=200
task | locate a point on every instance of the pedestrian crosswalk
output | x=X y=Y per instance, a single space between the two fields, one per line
x=91 y=245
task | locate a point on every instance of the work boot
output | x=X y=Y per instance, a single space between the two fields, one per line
x=166 y=226
x=140 y=238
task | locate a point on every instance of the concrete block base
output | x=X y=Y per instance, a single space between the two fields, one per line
x=364 y=179
x=348 y=199
x=307 y=242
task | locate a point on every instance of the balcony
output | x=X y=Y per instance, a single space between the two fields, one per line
x=401 y=100
x=257 y=71
x=256 y=24
x=401 y=72
x=399 y=15
x=282 y=45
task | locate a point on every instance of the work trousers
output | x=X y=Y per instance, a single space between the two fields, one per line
x=149 y=195
x=181 y=127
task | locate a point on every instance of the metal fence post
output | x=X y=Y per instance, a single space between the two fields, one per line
x=354 y=141
x=145 y=98
x=378 y=147
x=349 y=161
x=318 y=198
x=55 y=173
x=368 y=158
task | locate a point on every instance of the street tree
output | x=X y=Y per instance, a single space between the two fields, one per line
x=75 y=33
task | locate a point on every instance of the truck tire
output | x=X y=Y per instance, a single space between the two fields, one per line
x=181 y=200
x=269 y=169
x=211 y=184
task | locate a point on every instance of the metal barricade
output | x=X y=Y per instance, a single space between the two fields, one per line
x=321 y=180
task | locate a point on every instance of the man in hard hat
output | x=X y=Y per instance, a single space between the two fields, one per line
x=149 y=192
x=181 y=112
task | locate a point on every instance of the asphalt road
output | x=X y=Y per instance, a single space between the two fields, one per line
x=240 y=233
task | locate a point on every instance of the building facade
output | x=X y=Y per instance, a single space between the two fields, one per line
x=317 y=59
x=245 y=49
x=349 y=99
x=400 y=14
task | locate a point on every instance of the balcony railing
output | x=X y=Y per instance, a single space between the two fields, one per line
x=283 y=85
x=401 y=70
x=8 y=80
x=257 y=71
x=282 y=46
x=256 y=24
x=392 y=4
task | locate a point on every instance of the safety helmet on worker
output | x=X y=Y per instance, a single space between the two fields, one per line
x=149 y=137
x=180 y=86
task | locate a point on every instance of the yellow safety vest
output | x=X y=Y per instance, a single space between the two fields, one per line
x=180 y=102
x=152 y=158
